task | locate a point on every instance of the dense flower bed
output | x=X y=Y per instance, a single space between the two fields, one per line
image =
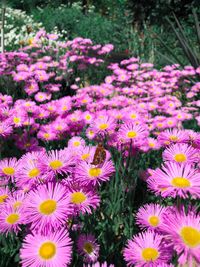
x=104 y=172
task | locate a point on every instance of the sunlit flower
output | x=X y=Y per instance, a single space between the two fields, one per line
x=47 y=206
x=146 y=249
x=175 y=180
x=50 y=250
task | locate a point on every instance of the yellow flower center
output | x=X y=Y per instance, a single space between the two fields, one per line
x=150 y=254
x=88 y=247
x=131 y=134
x=133 y=116
x=64 y=108
x=91 y=133
x=85 y=156
x=17 y=204
x=56 y=164
x=76 y=143
x=59 y=128
x=16 y=120
x=78 y=197
x=87 y=117
x=180 y=182
x=173 y=138
x=153 y=220
x=46 y=136
x=47 y=250
x=3 y=198
x=160 y=125
x=180 y=157
x=190 y=236
x=94 y=172
x=48 y=206
x=103 y=126
x=12 y=218
x=27 y=144
x=152 y=144
x=8 y=170
x=34 y=172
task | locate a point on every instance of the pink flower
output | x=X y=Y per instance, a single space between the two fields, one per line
x=147 y=249
x=175 y=180
x=47 y=207
x=50 y=250
x=88 y=248
x=183 y=232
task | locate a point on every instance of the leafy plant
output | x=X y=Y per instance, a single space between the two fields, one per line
x=189 y=47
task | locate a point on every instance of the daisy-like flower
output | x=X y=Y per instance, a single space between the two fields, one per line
x=86 y=153
x=173 y=136
x=11 y=218
x=29 y=173
x=88 y=174
x=57 y=161
x=147 y=249
x=4 y=194
x=17 y=199
x=153 y=143
x=9 y=168
x=88 y=248
x=83 y=199
x=175 y=180
x=132 y=132
x=76 y=142
x=151 y=216
x=183 y=231
x=181 y=153
x=51 y=250
x=5 y=129
x=103 y=125
x=47 y=206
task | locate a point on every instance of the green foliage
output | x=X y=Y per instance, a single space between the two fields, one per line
x=75 y=23
x=9 y=250
x=189 y=50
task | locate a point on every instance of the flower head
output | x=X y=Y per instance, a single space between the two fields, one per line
x=175 y=180
x=47 y=206
x=183 y=231
x=147 y=250
x=52 y=250
x=88 y=248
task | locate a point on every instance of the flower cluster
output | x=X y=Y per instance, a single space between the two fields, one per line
x=170 y=230
x=62 y=140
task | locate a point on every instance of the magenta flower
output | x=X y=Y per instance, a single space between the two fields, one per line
x=147 y=249
x=181 y=153
x=56 y=161
x=9 y=168
x=83 y=199
x=47 y=206
x=88 y=248
x=175 y=180
x=151 y=216
x=11 y=218
x=183 y=232
x=88 y=174
x=51 y=250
